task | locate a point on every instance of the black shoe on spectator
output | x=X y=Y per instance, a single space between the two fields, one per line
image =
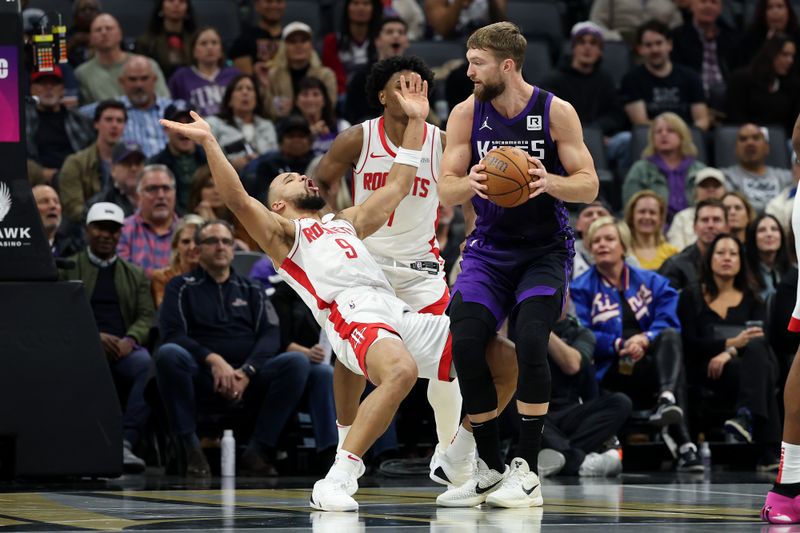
x=197 y=464
x=253 y=464
x=667 y=413
x=689 y=461
x=741 y=425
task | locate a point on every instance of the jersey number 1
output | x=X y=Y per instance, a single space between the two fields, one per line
x=349 y=251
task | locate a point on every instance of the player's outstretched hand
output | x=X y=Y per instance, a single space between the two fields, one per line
x=413 y=96
x=198 y=131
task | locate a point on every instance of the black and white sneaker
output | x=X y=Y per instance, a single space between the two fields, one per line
x=689 y=461
x=520 y=488
x=484 y=481
x=667 y=413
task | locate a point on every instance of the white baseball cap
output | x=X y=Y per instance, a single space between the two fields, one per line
x=296 y=26
x=105 y=212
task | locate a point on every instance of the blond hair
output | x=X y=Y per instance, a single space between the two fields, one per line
x=503 y=40
x=677 y=123
x=187 y=221
x=662 y=214
x=623 y=231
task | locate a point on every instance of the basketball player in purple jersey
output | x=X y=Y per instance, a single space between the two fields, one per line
x=516 y=261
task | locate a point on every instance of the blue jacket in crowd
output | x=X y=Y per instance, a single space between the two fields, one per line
x=598 y=306
x=234 y=319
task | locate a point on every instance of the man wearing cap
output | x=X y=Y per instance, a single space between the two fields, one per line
x=181 y=155
x=709 y=183
x=294 y=155
x=54 y=131
x=119 y=294
x=296 y=60
x=86 y=172
x=127 y=160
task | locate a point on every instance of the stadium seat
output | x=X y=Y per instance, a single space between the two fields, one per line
x=616 y=59
x=725 y=147
x=593 y=139
x=537 y=64
x=243 y=262
x=221 y=14
x=304 y=11
x=639 y=142
x=437 y=53
x=133 y=16
x=538 y=19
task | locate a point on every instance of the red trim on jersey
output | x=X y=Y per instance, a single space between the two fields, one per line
x=299 y=275
x=433 y=148
x=366 y=155
x=446 y=359
x=439 y=306
x=385 y=143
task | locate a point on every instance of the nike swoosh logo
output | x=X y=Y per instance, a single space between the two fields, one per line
x=440 y=473
x=373 y=156
x=352 y=457
x=481 y=490
x=528 y=492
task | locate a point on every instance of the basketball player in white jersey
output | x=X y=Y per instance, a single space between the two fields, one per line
x=373 y=332
x=405 y=247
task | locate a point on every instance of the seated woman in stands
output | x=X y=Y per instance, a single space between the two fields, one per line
x=645 y=215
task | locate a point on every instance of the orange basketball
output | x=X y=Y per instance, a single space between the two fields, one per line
x=507 y=176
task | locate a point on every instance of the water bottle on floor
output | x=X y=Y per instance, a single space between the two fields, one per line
x=228 y=454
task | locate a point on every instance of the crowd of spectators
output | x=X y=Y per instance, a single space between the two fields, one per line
x=672 y=299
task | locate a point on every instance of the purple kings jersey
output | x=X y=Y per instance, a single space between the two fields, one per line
x=542 y=219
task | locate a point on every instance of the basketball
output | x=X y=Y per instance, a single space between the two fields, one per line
x=507 y=176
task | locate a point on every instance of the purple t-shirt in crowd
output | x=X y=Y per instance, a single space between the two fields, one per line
x=204 y=96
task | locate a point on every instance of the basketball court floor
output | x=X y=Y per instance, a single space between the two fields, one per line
x=652 y=503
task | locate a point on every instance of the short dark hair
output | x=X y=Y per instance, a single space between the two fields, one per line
x=652 y=25
x=383 y=70
x=109 y=104
x=199 y=230
x=389 y=19
x=711 y=202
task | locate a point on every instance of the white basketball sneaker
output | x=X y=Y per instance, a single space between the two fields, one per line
x=520 y=488
x=335 y=491
x=484 y=480
x=447 y=471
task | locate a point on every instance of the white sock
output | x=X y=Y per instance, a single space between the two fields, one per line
x=343 y=431
x=346 y=465
x=445 y=399
x=789 y=471
x=668 y=395
x=462 y=445
x=794 y=322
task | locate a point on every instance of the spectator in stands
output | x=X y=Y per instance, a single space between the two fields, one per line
x=683 y=269
x=587 y=213
x=203 y=83
x=171 y=28
x=147 y=234
x=412 y=15
x=591 y=89
x=222 y=341
x=119 y=294
x=738 y=213
x=127 y=161
x=620 y=18
x=205 y=201
x=452 y=20
x=100 y=76
x=53 y=130
x=709 y=183
x=294 y=61
x=768 y=90
x=254 y=50
x=183 y=258
x=391 y=41
x=354 y=46
x=632 y=313
x=181 y=155
x=79 y=32
x=240 y=126
x=770 y=18
x=62 y=243
x=668 y=165
x=86 y=172
x=658 y=85
x=646 y=215
x=759 y=183
x=781 y=206
x=294 y=155
x=706 y=45
x=728 y=355
x=578 y=428
x=766 y=254
x=313 y=104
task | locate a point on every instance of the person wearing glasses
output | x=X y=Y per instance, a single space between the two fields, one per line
x=146 y=238
x=222 y=343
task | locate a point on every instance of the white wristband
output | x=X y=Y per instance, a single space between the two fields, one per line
x=411 y=158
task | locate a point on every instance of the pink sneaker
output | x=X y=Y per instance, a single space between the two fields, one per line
x=779 y=509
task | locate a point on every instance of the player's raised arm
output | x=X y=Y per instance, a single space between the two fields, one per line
x=272 y=232
x=458 y=183
x=581 y=183
x=337 y=161
x=368 y=217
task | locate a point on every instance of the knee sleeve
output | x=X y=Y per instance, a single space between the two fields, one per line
x=534 y=322
x=472 y=326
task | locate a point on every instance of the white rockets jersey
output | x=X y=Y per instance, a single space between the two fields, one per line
x=410 y=233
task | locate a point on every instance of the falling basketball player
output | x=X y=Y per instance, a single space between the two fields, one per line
x=783 y=501
x=373 y=333
x=516 y=261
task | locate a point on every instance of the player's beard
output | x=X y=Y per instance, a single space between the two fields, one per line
x=486 y=92
x=310 y=203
